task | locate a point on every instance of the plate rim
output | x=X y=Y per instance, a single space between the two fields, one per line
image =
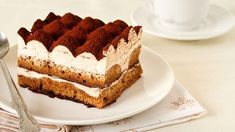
x=106 y=119
x=185 y=38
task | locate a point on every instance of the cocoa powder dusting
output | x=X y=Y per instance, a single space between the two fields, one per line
x=68 y=41
x=112 y=29
x=24 y=33
x=125 y=33
x=137 y=29
x=42 y=37
x=100 y=35
x=77 y=34
x=121 y=24
x=55 y=28
x=38 y=24
x=51 y=17
x=93 y=47
x=89 y=24
x=70 y=20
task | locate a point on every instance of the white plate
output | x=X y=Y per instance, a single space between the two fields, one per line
x=218 y=22
x=153 y=86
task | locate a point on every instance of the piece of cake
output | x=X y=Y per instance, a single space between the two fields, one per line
x=83 y=60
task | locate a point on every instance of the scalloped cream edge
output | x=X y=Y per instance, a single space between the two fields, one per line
x=62 y=56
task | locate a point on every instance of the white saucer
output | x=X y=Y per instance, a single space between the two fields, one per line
x=155 y=83
x=218 y=22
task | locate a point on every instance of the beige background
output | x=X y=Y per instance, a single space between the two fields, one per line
x=206 y=68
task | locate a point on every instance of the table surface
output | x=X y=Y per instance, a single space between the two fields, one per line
x=206 y=68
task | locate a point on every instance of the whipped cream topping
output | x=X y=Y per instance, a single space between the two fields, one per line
x=62 y=56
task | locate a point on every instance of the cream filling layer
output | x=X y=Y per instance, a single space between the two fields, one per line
x=92 y=91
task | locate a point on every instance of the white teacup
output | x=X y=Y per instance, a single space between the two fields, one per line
x=180 y=15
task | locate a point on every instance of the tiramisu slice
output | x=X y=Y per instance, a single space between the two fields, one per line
x=84 y=60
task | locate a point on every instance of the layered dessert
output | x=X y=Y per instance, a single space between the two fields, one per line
x=83 y=60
